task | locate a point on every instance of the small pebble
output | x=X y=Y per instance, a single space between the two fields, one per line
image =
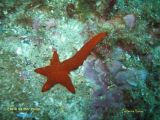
x=130 y=20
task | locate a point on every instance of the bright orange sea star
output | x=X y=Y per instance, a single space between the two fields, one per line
x=58 y=72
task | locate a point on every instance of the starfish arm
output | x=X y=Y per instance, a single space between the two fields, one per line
x=77 y=60
x=48 y=85
x=55 y=59
x=41 y=71
x=68 y=84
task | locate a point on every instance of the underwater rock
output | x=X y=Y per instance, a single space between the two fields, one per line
x=130 y=20
x=89 y=71
x=114 y=67
x=101 y=67
x=99 y=92
x=36 y=24
x=115 y=98
x=131 y=77
x=111 y=99
x=105 y=101
x=96 y=116
x=50 y=23
x=118 y=53
x=96 y=72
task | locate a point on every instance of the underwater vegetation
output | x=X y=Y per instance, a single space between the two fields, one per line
x=117 y=78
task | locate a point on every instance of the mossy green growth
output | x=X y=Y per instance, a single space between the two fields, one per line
x=85 y=8
x=151 y=10
x=10 y=66
x=156 y=56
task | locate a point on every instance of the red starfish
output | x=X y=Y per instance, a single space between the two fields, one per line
x=58 y=72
